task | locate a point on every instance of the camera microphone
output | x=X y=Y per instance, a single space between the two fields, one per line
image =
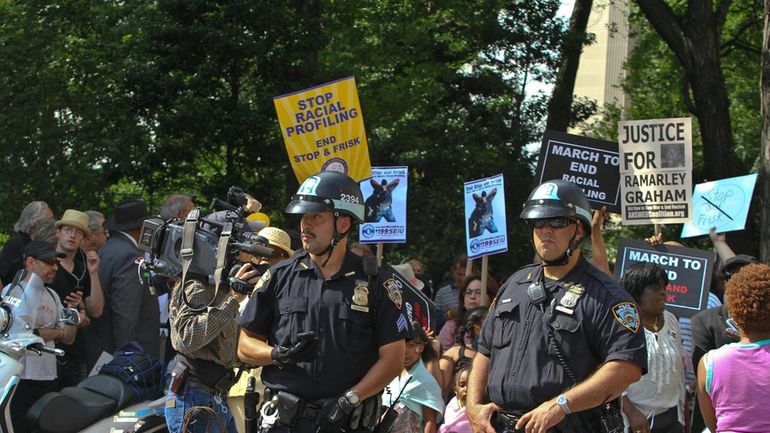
x=255 y=249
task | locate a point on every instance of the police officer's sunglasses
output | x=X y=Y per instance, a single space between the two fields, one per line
x=556 y=223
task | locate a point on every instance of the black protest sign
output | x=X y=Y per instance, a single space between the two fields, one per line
x=588 y=163
x=689 y=272
x=417 y=306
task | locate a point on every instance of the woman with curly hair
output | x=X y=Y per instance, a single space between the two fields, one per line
x=734 y=380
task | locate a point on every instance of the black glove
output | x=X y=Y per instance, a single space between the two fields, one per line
x=305 y=349
x=334 y=415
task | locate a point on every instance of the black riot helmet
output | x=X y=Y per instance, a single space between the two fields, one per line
x=329 y=191
x=559 y=198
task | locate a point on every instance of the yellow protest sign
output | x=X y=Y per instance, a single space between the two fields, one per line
x=324 y=130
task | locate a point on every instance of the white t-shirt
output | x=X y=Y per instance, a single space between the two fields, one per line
x=39 y=307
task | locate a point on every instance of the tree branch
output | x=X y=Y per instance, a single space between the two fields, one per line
x=721 y=15
x=669 y=27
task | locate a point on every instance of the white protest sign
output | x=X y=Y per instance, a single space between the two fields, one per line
x=656 y=171
x=485 y=230
x=384 y=205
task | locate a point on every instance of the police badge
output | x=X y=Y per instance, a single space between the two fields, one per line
x=361 y=297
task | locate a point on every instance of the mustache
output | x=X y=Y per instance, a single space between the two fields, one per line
x=307 y=232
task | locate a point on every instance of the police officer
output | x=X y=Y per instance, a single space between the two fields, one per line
x=324 y=301
x=562 y=339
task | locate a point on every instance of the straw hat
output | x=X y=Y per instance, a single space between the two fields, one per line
x=74 y=218
x=277 y=238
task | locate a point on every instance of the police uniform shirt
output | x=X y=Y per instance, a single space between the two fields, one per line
x=351 y=319
x=593 y=321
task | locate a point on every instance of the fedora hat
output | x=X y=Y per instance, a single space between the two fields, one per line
x=129 y=214
x=74 y=218
x=277 y=238
x=406 y=271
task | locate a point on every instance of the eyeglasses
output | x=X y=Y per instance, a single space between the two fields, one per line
x=470 y=292
x=49 y=262
x=71 y=230
x=556 y=223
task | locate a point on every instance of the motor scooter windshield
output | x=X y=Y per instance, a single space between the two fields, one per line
x=15 y=297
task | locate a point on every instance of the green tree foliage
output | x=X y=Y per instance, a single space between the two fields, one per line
x=657 y=87
x=114 y=99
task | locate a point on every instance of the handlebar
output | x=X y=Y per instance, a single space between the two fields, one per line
x=41 y=348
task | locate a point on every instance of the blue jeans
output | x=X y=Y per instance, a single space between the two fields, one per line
x=194 y=395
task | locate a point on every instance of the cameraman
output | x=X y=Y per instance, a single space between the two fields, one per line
x=204 y=333
x=323 y=301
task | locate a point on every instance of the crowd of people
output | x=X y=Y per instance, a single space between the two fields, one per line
x=560 y=347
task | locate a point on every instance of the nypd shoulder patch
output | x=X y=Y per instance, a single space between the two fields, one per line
x=627 y=315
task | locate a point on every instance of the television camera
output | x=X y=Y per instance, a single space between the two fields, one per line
x=210 y=245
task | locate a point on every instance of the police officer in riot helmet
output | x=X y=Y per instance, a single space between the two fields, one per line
x=324 y=300
x=563 y=340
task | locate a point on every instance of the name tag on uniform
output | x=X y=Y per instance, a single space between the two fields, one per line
x=505 y=301
x=565 y=310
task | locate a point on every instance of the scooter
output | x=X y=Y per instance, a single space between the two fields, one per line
x=89 y=407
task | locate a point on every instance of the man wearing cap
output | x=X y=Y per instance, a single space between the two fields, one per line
x=130 y=311
x=322 y=301
x=77 y=284
x=39 y=307
x=562 y=340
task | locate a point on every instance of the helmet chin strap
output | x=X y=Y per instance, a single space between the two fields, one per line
x=562 y=259
x=337 y=237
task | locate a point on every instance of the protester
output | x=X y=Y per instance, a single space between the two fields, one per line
x=656 y=402
x=562 y=341
x=461 y=354
x=469 y=296
x=322 y=300
x=99 y=232
x=455 y=417
x=77 y=284
x=11 y=256
x=734 y=381
x=131 y=311
x=40 y=308
x=176 y=206
x=447 y=296
x=420 y=407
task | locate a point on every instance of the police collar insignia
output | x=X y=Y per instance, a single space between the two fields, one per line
x=393 y=287
x=361 y=297
x=627 y=315
x=262 y=280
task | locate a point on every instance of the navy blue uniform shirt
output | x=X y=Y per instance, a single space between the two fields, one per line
x=593 y=320
x=351 y=318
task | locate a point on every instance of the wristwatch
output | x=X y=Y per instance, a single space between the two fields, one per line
x=563 y=403
x=352 y=398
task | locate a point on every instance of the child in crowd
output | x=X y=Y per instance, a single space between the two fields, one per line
x=455 y=418
x=420 y=406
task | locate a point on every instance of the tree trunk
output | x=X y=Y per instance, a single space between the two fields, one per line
x=764 y=175
x=559 y=107
x=694 y=39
